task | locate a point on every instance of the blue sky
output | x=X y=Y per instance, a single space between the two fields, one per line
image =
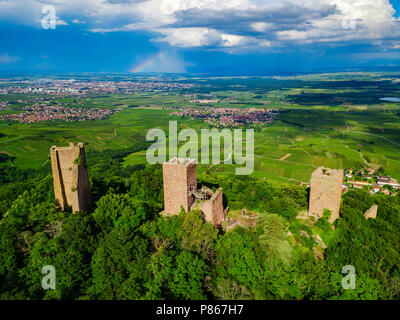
x=396 y=6
x=208 y=36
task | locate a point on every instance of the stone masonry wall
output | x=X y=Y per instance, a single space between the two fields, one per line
x=179 y=177
x=371 y=212
x=213 y=209
x=325 y=193
x=71 y=182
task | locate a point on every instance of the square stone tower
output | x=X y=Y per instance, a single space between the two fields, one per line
x=180 y=180
x=71 y=182
x=326 y=192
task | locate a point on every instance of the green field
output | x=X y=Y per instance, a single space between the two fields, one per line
x=303 y=138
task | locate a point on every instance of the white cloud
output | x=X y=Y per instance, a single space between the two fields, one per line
x=77 y=21
x=190 y=37
x=60 y=22
x=231 y=40
x=200 y=37
x=261 y=26
x=233 y=23
x=6 y=59
x=363 y=20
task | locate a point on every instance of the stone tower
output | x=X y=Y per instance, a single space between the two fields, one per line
x=326 y=192
x=71 y=182
x=180 y=179
x=180 y=189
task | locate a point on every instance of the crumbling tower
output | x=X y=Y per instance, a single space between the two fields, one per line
x=71 y=182
x=213 y=208
x=180 y=189
x=180 y=179
x=326 y=192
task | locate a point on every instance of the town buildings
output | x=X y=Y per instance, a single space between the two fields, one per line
x=229 y=117
x=40 y=113
x=369 y=179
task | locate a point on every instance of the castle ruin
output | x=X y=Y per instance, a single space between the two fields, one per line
x=180 y=179
x=213 y=208
x=180 y=190
x=326 y=192
x=71 y=182
x=371 y=212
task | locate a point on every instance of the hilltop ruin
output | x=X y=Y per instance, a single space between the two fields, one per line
x=371 y=212
x=325 y=192
x=71 y=182
x=180 y=190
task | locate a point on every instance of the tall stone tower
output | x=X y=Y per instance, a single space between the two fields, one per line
x=326 y=192
x=71 y=182
x=180 y=179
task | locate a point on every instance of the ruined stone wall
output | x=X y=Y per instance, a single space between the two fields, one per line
x=213 y=209
x=371 y=212
x=191 y=178
x=326 y=192
x=71 y=182
x=179 y=177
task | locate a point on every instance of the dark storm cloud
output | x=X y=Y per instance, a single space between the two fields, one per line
x=283 y=17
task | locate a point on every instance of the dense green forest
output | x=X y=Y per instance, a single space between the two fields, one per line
x=123 y=249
